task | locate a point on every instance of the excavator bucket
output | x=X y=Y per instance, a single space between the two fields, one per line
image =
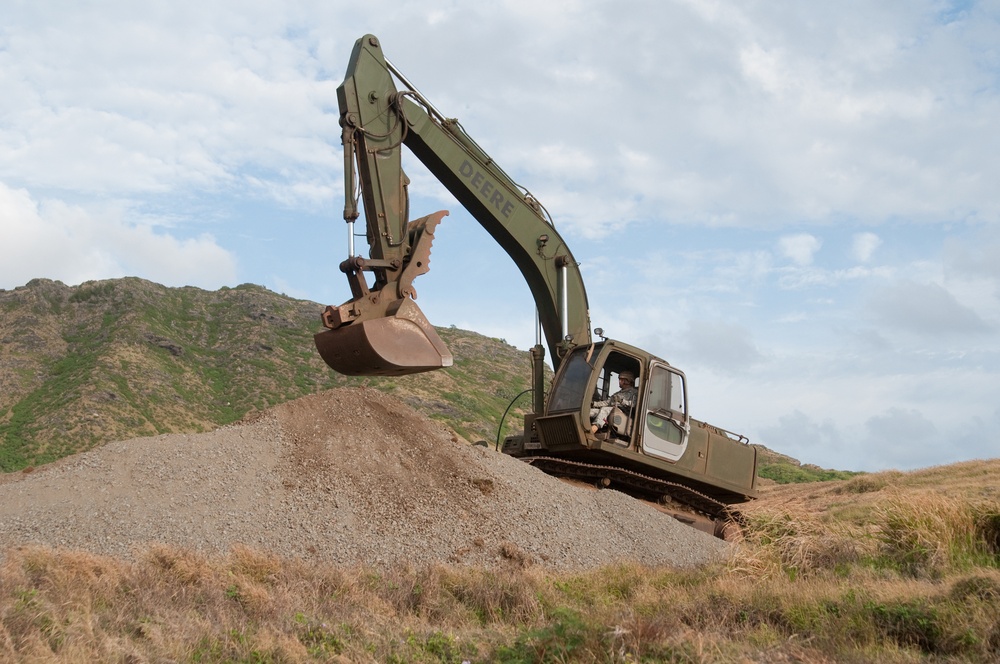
x=402 y=343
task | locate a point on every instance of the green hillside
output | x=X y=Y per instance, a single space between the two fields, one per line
x=112 y=360
x=116 y=359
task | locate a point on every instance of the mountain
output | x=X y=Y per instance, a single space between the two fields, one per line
x=783 y=469
x=117 y=359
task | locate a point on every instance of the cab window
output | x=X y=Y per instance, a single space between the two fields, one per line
x=665 y=428
x=569 y=390
x=666 y=391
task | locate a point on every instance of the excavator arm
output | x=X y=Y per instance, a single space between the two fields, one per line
x=380 y=330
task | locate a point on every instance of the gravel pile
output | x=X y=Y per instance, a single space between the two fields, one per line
x=349 y=476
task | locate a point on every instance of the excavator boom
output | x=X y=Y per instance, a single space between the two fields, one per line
x=380 y=330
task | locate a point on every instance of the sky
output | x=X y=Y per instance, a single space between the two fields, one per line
x=795 y=203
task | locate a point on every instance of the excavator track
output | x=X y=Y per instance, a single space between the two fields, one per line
x=610 y=476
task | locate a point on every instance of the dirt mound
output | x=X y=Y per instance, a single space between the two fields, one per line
x=347 y=476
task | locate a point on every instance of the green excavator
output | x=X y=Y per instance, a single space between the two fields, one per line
x=648 y=446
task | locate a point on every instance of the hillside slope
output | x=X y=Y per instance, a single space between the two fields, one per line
x=117 y=359
x=111 y=360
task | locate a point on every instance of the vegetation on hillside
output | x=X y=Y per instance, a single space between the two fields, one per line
x=888 y=567
x=113 y=360
x=783 y=469
x=117 y=359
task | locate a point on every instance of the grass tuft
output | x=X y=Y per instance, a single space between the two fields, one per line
x=932 y=533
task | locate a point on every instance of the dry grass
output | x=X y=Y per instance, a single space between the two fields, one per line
x=890 y=567
x=924 y=523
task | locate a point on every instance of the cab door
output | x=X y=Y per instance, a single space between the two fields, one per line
x=666 y=424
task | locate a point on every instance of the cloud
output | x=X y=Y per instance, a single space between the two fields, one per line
x=735 y=116
x=722 y=345
x=856 y=128
x=902 y=438
x=978 y=258
x=924 y=309
x=118 y=105
x=863 y=246
x=896 y=438
x=796 y=433
x=72 y=244
x=799 y=248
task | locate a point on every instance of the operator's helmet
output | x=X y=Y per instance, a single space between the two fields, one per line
x=630 y=375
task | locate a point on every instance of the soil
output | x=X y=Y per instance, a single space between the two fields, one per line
x=349 y=476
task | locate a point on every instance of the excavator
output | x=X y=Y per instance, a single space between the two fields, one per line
x=649 y=446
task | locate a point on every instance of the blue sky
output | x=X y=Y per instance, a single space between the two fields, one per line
x=795 y=203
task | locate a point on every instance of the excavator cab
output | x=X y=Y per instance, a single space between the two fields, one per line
x=582 y=398
x=654 y=437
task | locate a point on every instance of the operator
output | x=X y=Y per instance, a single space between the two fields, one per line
x=624 y=398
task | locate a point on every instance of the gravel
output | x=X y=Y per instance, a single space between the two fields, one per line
x=348 y=476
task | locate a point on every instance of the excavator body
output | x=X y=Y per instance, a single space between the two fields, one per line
x=650 y=447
